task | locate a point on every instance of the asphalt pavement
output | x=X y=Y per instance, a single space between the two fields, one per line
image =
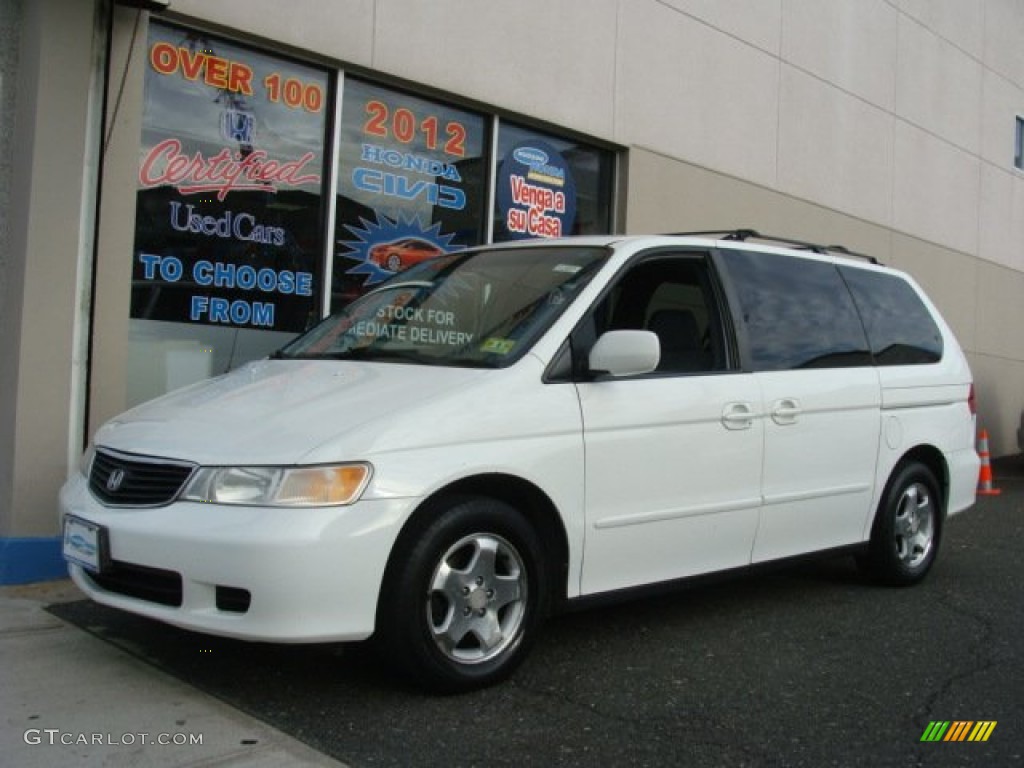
x=808 y=665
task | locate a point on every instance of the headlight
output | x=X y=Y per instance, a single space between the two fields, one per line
x=321 y=486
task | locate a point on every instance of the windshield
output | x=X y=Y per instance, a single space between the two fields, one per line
x=471 y=308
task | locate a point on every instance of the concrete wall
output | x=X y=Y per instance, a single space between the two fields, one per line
x=116 y=230
x=10 y=35
x=48 y=186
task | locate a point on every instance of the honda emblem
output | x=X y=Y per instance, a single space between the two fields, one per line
x=114 y=480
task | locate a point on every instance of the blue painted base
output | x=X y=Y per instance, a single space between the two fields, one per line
x=25 y=560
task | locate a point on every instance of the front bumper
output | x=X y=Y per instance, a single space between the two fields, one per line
x=309 y=575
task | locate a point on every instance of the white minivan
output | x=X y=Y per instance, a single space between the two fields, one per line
x=498 y=432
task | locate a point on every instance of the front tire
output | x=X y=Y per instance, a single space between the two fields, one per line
x=462 y=604
x=908 y=528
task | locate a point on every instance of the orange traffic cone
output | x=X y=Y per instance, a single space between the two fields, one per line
x=985 y=473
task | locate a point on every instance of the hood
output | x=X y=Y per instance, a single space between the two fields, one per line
x=277 y=411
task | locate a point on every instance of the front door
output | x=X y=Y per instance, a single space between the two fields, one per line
x=673 y=458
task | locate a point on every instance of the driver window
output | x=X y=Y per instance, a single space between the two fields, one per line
x=673 y=298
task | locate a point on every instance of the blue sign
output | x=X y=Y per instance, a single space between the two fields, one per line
x=536 y=192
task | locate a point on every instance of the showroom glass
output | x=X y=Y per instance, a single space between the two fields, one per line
x=228 y=224
x=411 y=185
x=228 y=251
x=798 y=312
x=528 y=181
x=475 y=308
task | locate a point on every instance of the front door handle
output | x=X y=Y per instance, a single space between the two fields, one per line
x=738 y=416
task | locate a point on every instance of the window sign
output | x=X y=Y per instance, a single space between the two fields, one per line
x=229 y=220
x=411 y=185
x=549 y=186
x=536 y=194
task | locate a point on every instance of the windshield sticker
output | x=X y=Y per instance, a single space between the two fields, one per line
x=571 y=269
x=375 y=330
x=497 y=346
x=416 y=334
x=417 y=314
x=439 y=336
x=414 y=325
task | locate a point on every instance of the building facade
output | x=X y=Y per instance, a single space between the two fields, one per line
x=185 y=185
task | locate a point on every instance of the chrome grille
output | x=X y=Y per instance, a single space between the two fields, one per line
x=124 y=480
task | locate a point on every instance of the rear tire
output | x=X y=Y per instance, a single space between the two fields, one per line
x=462 y=604
x=907 y=530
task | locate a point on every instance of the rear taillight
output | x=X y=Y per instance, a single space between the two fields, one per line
x=972 y=404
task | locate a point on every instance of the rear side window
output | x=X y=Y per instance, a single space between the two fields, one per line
x=900 y=328
x=797 y=312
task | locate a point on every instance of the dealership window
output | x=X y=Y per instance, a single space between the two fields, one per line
x=228 y=252
x=411 y=184
x=549 y=186
x=231 y=255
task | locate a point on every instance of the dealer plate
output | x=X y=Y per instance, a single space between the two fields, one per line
x=85 y=543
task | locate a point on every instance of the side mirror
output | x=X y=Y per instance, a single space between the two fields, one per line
x=625 y=353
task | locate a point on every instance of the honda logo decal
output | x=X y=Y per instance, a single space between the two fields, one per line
x=115 y=480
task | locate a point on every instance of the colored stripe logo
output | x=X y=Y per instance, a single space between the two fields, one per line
x=958 y=730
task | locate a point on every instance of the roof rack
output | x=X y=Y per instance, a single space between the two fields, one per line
x=742 y=235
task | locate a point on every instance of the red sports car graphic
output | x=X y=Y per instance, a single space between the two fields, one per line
x=402 y=254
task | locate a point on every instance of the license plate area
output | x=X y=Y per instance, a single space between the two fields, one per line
x=86 y=544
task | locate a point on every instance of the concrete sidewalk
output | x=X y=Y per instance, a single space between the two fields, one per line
x=70 y=699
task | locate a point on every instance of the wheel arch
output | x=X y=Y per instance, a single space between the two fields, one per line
x=932 y=458
x=535 y=505
x=883 y=558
